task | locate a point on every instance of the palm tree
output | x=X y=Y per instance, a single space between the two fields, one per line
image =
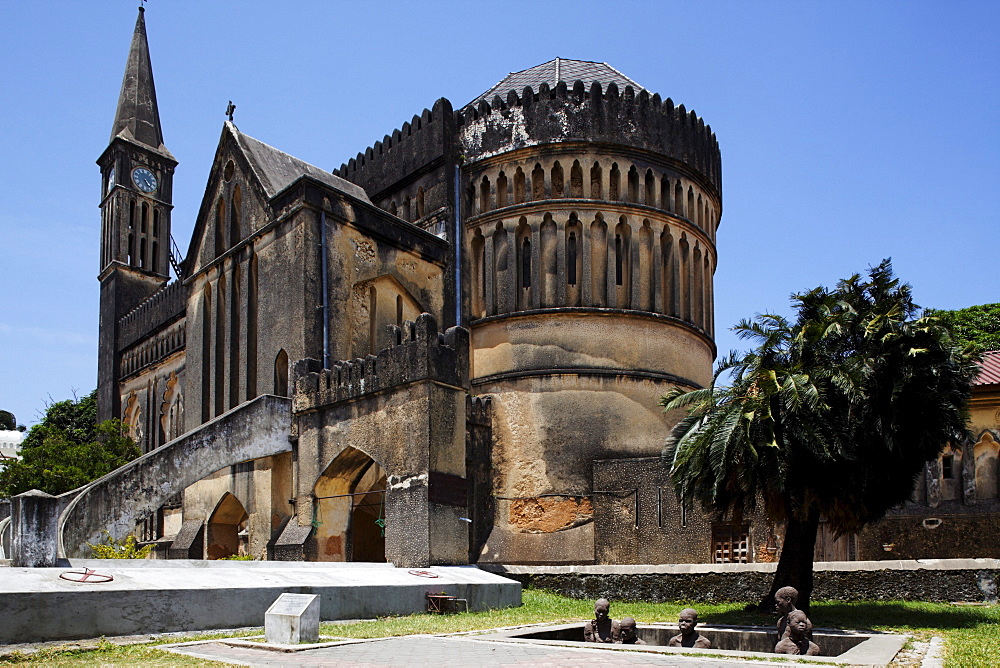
x=831 y=415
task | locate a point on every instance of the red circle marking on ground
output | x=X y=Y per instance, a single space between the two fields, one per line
x=423 y=574
x=87 y=576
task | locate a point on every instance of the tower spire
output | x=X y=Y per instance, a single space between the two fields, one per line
x=137 y=115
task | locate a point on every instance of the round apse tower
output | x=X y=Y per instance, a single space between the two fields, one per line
x=590 y=210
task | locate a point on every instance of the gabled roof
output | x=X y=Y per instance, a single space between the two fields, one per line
x=556 y=70
x=272 y=169
x=276 y=170
x=137 y=117
x=989 y=369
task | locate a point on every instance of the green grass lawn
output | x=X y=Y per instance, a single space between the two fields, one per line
x=972 y=633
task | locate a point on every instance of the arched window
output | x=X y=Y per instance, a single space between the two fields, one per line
x=142 y=253
x=558 y=185
x=633 y=184
x=596 y=182
x=571 y=255
x=678 y=198
x=644 y=270
x=235 y=334
x=576 y=180
x=518 y=186
x=206 y=354
x=470 y=199
x=502 y=255
x=526 y=262
x=623 y=264
x=372 y=318
x=252 y=327
x=220 y=347
x=479 y=274
x=599 y=261
x=501 y=190
x=281 y=374
x=484 y=195
x=665 y=194
x=144 y=218
x=548 y=263
x=235 y=208
x=613 y=182
x=650 y=188
x=220 y=230
x=985 y=453
x=668 y=278
x=406 y=209
x=420 y=202
x=538 y=183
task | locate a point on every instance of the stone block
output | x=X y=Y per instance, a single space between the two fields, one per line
x=35 y=524
x=293 y=619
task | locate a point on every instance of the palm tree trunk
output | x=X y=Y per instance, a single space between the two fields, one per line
x=795 y=567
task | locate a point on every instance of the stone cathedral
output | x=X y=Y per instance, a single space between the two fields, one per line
x=473 y=320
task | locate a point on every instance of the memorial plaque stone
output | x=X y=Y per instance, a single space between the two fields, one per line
x=293 y=619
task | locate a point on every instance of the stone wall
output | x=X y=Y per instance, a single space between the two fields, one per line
x=115 y=502
x=940 y=580
x=403 y=410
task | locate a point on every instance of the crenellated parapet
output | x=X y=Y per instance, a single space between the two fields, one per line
x=479 y=410
x=419 y=353
x=567 y=113
x=406 y=172
x=154 y=349
x=161 y=308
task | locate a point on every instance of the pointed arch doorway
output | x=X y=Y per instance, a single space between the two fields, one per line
x=227 y=529
x=349 y=509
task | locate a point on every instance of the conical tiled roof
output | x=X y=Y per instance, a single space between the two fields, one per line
x=137 y=117
x=556 y=70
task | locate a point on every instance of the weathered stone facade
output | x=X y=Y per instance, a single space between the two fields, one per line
x=561 y=231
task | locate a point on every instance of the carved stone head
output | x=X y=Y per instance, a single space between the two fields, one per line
x=785 y=599
x=799 y=625
x=687 y=620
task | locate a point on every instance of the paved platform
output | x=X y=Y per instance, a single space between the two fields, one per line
x=417 y=651
x=149 y=596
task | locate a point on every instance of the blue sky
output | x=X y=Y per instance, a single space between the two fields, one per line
x=850 y=131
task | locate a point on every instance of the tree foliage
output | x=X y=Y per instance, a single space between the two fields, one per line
x=978 y=326
x=833 y=413
x=67 y=449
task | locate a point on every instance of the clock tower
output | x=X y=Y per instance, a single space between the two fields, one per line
x=136 y=200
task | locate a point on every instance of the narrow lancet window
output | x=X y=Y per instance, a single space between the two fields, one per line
x=618 y=259
x=526 y=263
x=571 y=259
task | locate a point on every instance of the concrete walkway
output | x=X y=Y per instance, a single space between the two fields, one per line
x=416 y=651
x=124 y=597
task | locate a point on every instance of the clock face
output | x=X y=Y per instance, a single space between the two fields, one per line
x=144 y=179
x=111 y=179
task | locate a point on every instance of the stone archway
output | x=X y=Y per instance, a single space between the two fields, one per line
x=226 y=534
x=349 y=509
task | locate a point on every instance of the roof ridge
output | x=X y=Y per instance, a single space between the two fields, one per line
x=555 y=70
x=274 y=177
